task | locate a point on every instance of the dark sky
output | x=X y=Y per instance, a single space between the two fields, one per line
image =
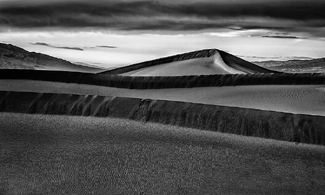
x=288 y=16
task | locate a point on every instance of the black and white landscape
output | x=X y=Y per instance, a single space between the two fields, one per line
x=162 y=97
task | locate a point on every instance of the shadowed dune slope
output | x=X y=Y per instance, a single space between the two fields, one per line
x=249 y=122
x=203 y=62
x=155 y=82
x=13 y=57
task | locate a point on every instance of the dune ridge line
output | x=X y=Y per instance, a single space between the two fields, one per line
x=249 y=122
x=230 y=63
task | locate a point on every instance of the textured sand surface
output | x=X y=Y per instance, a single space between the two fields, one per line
x=84 y=155
x=303 y=99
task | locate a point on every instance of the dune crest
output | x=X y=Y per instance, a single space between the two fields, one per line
x=202 y=62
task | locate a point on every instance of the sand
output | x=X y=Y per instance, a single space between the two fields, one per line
x=52 y=154
x=302 y=99
x=72 y=155
x=201 y=62
x=200 y=66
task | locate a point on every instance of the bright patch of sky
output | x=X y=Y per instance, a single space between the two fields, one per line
x=137 y=47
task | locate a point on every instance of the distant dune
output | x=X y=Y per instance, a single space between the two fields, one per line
x=296 y=66
x=203 y=62
x=13 y=57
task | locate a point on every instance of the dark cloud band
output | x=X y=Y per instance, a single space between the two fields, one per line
x=59 y=47
x=73 y=48
x=165 y=15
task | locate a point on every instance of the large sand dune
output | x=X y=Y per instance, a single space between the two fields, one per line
x=204 y=62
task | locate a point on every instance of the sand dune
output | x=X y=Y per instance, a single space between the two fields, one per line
x=204 y=62
x=301 y=66
x=43 y=154
x=199 y=66
x=243 y=121
x=303 y=99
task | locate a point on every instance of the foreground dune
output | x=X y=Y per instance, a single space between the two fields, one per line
x=203 y=62
x=46 y=154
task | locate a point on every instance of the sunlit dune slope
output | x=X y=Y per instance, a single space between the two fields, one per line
x=203 y=62
x=13 y=57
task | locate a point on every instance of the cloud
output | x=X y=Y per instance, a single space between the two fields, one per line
x=48 y=45
x=274 y=58
x=106 y=46
x=73 y=48
x=181 y=15
x=281 y=37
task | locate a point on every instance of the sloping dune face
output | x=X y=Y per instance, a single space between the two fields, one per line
x=13 y=57
x=204 y=62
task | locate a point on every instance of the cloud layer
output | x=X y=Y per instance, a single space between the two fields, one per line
x=72 y=48
x=285 y=15
x=59 y=47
